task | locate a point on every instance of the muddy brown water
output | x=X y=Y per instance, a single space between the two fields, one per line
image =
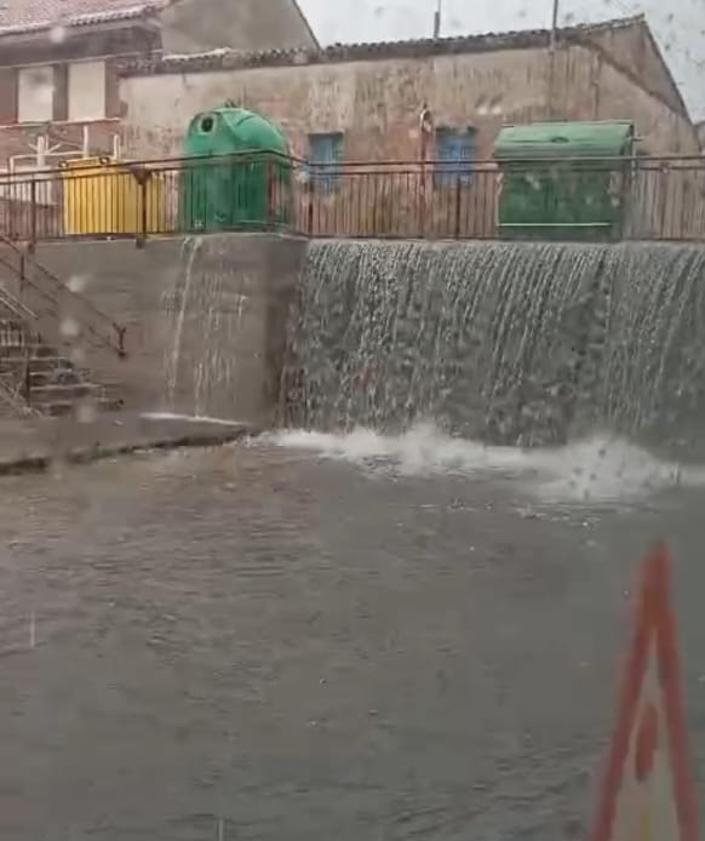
x=258 y=642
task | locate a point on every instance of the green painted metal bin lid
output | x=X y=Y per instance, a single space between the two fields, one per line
x=221 y=131
x=562 y=140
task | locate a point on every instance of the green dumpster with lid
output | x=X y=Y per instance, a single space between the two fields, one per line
x=564 y=180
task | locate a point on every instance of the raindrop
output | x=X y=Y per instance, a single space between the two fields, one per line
x=77 y=356
x=86 y=412
x=495 y=106
x=77 y=283
x=57 y=35
x=69 y=327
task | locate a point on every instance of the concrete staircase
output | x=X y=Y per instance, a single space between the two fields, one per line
x=47 y=382
x=40 y=372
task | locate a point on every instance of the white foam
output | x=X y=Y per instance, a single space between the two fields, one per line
x=170 y=416
x=596 y=469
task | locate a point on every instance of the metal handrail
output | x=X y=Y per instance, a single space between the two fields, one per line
x=15 y=307
x=395 y=198
x=147 y=163
x=117 y=345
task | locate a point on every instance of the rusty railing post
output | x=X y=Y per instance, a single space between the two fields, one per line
x=22 y=276
x=32 y=213
x=122 y=353
x=144 y=222
x=458 y=203
x=422 y=200
x=309 y=204
x=27 y=379
x=142 y=175
x=271 y=215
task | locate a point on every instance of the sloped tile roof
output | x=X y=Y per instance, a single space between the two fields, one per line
x=227 y=59
x=18 y=16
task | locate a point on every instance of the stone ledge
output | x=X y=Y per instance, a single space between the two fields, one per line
x=41 y=462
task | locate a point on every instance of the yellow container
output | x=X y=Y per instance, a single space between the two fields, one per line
x=104 y=197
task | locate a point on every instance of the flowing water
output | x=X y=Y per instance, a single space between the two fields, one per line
x=511 y=343
x=205 y=319
x=409 y=631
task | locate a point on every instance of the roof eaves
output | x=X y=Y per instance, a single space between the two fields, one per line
x=88 y=19
x=659 y=53
x=226 y=59
x=305 y=20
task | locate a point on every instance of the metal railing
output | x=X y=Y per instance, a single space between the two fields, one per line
x=597 y=198
x=54 y=312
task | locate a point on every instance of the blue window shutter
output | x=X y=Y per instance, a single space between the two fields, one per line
x=455 y=151
x=327 y=151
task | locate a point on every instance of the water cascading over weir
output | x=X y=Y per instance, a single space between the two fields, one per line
x=514 y=343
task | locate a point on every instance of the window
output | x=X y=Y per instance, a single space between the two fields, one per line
x=35 y=94
x=86 y=90
x=455 y=151
x=326 y=150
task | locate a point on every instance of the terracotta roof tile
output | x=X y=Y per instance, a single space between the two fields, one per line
x=18 y=16
x=226 y=59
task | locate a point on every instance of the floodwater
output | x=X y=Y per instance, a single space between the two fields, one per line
x=315 y=637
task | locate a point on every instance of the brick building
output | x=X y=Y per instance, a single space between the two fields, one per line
x=364 y=101
x=59 y=88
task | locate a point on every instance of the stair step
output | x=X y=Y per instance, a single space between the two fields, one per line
x=54 y=376
x=36 y=351
x=46 y=363
x=57 y=391
x=57 y=408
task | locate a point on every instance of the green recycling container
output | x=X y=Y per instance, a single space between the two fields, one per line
x=237 y=172
x=564 y=181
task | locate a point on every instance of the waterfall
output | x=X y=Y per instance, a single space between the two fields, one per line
x=521 y=343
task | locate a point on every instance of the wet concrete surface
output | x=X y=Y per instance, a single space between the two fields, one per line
x=32 y=444
x=254 y=642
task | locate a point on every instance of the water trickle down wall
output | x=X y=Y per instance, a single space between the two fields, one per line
x=206 y=320
x=226 y=314
x=517 y=343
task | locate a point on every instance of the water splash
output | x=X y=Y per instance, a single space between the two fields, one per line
x=597 y=469
x=175 y=416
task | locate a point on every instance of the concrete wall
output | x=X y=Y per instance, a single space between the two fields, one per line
x=376 y=103
x=191 y=25
x=590 y=88
x=634 y=49
x=205 y=318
